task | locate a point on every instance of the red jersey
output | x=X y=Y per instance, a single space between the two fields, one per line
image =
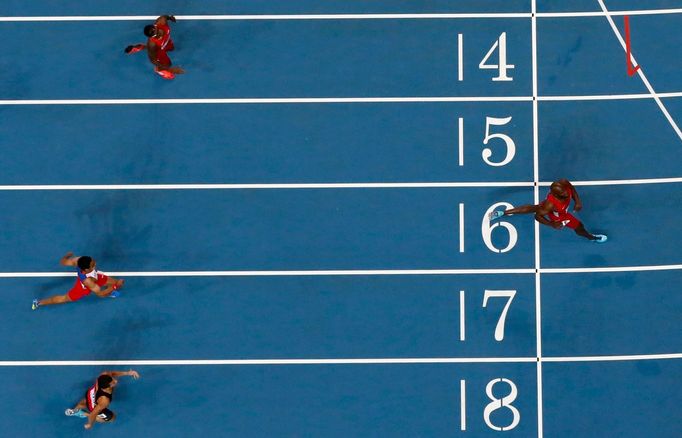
x=165 y=39
x=560 y=207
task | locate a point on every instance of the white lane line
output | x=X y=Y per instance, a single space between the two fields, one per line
x=354 y=272
x=475 y=15
x=369 y=361
x=614 y=358
x=313 y=273
x=611 y=269
x=377 y=361
x=267 y=100
x=276 y=186
x=335 y=100
x=404 y=185
x=641 y=71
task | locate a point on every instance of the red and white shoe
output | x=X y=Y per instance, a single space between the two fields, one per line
x=164 y=73
x=134 y=49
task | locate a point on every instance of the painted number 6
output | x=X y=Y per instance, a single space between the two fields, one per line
x=487 y=229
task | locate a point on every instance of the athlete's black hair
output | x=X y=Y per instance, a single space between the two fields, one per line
x=104 y=381
x=84 y=262
x=149 y=30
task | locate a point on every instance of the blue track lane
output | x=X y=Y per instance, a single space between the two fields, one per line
x=307 y=317
x=409 y=142
x=257 y=401
x=217 y=230
x=265 y=59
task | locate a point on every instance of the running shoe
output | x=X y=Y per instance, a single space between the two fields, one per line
x=115 y=294
x=164 y=73
x=600 y=238
x=495 y=214
x=134 y=49
x=35 y=304
x=75 y=413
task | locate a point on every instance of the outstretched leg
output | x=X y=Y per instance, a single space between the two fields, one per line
x=581 y=231
x=522 y=209
x=57 y=299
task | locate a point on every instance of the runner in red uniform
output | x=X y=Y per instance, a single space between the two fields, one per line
x=158 y=45
x=95 y=405
x=88 y=280
x=553 y=211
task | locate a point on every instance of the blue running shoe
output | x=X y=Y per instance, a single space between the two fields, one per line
x=495 y=214
x=35 y=304
x=115 y=294
x=75 y=413
x=600 y=238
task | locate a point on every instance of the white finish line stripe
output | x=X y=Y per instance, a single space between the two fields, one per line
x=474 y=15
x=322 y=273
x=376 y=361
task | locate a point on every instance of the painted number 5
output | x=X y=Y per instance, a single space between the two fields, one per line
x=511 y=147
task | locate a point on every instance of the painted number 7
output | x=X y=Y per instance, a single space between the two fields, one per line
x=509 y=294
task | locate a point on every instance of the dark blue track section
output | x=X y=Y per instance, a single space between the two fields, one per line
x=581 y=139
x=307 y=317
x=213 y=7
x=323 y=400
x=384 y=142
x=337 y=58
x=586 y=59
x=217 y=230
x=610 y=313
x=620 y=212
x=642 y=395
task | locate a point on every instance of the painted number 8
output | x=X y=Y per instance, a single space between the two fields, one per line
x=499 y=403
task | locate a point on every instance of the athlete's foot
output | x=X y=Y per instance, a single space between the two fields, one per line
x=164 y=73
x=495 y=214
x=134 y=49
x=600 y=238
x=35 y=304
x=75 y=413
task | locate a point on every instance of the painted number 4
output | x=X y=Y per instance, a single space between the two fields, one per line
x=500 y=46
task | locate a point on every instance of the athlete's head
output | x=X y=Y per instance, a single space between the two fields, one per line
x=106 y=381
x=150 y=30
x=86 y=264
x=559 y=190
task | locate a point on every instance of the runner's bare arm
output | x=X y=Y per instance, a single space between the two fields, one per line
x=68 y=260
x=132 y=373
x=164 y=19
x=92 y=285
x=101 y=405
x=543 y=210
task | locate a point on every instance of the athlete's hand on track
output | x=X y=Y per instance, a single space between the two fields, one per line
x=119 y=284
x=68 y=255
x=134 y=374
x=87 y=426
x=578 y=206
x=556 y=225
x=171 y=18
x=176 y=70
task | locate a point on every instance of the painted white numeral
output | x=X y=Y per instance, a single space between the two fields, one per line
x=460 y=57
x=501 y=66
x=495 y=404
x=487 y=229
x=499 y=403
x=511 y=147
x=509 y=294
x=487 y=152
